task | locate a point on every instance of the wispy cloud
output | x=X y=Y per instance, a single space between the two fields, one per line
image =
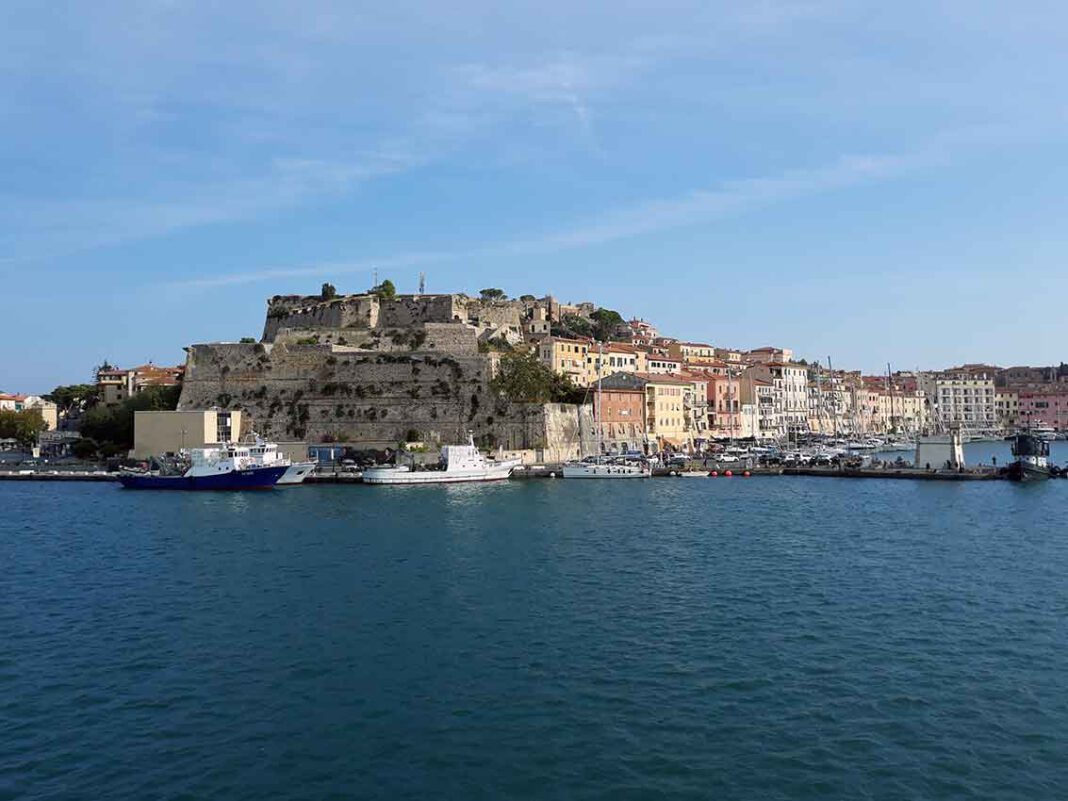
x=566 y=81
x=50 y=228
x=699 y=207
x=728 y=199
x=325 y=269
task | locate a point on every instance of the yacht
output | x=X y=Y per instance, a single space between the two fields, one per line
x=1044 y=432
x=459 y=463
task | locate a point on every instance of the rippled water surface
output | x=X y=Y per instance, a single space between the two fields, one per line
x=769 y=638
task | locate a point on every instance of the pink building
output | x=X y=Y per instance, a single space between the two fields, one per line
x=1047 y=406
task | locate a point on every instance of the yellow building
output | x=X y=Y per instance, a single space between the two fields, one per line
x=156 y=433
x=667 y=400
x=1007 y=408
x=667 y=418
x=567 y=357
x=696 y=352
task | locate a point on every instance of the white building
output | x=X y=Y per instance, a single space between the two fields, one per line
x=964 y=396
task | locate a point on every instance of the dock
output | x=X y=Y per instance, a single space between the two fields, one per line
x=913 y=473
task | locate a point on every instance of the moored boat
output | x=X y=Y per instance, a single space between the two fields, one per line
x=267 y=454
x=223 y=468
x=459 y=463
x=601 y=469
x=1032 y=458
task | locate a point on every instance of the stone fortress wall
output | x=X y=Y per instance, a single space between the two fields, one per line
x=371 y=373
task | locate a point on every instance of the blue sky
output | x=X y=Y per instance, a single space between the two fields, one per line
x=874 y=182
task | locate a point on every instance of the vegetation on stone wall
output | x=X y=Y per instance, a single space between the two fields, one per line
x=328 y=291
x=493 y=294
x=495 y=345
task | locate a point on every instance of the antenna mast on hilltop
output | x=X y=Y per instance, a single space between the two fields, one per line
x=374 y=280
x=422 y=283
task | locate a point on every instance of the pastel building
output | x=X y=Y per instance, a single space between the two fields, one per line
x=567 y=357
x=1048 y=407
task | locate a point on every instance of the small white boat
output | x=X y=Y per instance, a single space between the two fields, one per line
x=605 y=470
x=458 y=463
x=694 y=473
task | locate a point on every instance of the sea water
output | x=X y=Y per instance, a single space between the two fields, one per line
x=761 y=638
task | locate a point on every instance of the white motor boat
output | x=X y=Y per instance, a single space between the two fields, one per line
x=605 y=470
x=1044 y=432
x=267 y=454
x=459 y=463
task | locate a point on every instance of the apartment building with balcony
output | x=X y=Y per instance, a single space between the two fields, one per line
x=964 y=396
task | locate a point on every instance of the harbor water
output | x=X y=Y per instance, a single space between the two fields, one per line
x=762 y=638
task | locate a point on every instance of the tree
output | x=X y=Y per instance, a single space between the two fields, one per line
x=572 y=327
x=606 y=324
x=22 y=426
x=73 y=396
x=493 y=294
x=527 y=298
x=385 y=290
x=248 y=340
x=328 y=291
x=104 y=365
x=524 y=379
x=84 y=448
x=114 y=426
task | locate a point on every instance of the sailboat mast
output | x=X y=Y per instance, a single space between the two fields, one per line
x=834 y=396
x=890 y=386
x=597 y=406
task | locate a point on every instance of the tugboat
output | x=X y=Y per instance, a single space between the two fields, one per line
x=1032 y=458
x=229 y=467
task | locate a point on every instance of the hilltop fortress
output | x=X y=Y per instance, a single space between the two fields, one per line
x=372 y=371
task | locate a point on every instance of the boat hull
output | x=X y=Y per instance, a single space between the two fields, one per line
x=247 y=479
x=1023 y=471
x=408 y=477
x=603 y=471
x=296 y=473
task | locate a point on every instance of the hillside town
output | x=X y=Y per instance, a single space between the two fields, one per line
x=643 y=389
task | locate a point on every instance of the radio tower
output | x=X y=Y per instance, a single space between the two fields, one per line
x=422 y=283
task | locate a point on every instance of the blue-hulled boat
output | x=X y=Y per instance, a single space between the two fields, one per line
x=228 y=467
